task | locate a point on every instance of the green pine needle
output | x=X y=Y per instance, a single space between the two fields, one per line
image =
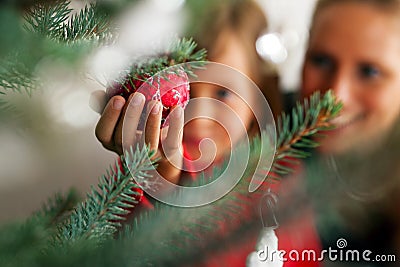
x=55 y=21
x=47 y=19
x=50 y=30
x=14 y=76
x=165 y=236
x=179 y=52
x=57 y=207
x=86 y=25
x=194 y=231
x=100 y=215
x=296 y=132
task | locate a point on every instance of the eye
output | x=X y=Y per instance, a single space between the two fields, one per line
x=368 y=71
x=322 y=61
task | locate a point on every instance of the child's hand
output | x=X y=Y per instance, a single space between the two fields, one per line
x=167 y=141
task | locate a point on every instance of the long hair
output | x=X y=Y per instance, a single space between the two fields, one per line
x=390 y=6
x=247 y=21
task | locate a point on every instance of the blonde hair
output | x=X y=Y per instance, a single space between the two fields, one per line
x=246 y=20
x=390 y=6
x=384 y=4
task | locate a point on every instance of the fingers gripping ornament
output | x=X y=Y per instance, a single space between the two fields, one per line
x=163 y=77
x=170 y=87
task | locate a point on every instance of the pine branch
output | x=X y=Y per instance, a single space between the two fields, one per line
x=99 y=216
x=14 y=76
x=22 y=243
x=296 y=134
x=47 y=19
x=184 y=234
x=166 y=236
x=87 y=25
x=57 y=207
x=50 y=30
x=5 y=107
x=184 y=50
x=54 y=21
x=179 y=52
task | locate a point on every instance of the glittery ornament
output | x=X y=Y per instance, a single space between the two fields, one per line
x=171 y=88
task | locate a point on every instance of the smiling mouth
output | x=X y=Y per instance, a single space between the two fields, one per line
x=343 y=122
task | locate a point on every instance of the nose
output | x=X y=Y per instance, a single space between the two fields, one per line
x=343 y=86
x=201 y=108
x=202 y=102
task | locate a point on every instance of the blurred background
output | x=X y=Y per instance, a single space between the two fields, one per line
x=47 y=141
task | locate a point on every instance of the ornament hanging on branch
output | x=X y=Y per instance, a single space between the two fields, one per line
x=171 y=88
x=86 y=235
x=267 y=246
x=164 y=77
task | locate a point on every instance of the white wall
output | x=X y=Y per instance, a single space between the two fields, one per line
x=290 y=19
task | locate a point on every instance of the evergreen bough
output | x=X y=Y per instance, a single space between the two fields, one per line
x=90 y=233
x=166 y=235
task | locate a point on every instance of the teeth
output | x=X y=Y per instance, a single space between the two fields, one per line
x=343 y=121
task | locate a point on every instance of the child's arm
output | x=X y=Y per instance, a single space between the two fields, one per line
x=169 y=147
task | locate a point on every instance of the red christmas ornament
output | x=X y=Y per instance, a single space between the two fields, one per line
x=171 y=89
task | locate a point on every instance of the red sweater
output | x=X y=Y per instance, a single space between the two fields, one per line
x=296 y=235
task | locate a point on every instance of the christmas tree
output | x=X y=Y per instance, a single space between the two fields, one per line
x=93 y=232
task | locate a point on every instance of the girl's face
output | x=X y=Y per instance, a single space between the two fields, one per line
x=354 y=49
x=221 y=126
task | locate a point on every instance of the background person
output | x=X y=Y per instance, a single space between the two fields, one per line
x=354 y=49
x=230 y=39
x=228 y=30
